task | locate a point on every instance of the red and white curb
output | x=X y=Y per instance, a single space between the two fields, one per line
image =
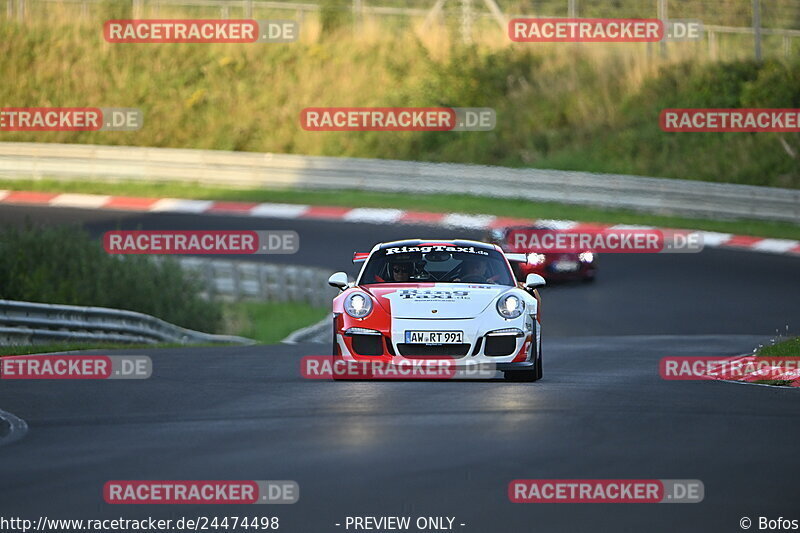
x=792 y=376
x=366 y=215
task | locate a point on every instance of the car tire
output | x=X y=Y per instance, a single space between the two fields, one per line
x=335 y=351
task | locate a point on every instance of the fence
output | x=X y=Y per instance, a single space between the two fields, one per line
x=255 y=170
x=467 y=13
x=26 y=323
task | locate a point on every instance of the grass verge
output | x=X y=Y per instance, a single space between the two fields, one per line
x=270 y=322
x=593 y=108
x=787 y=348
x=426 y=202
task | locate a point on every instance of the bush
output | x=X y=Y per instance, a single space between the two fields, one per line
x=63 y=265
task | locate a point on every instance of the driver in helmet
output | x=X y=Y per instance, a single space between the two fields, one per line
x=400 y=271
x=474 y=271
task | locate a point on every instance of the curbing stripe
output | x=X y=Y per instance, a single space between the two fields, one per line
x=459 y=220
x=778 y=246
x=422 y=217
x=367 y=215
x=178 y=205
x=85 y=201
x=714 y=239
x=790 y=375
x=29 y=197
x=232 y=207
x=373 y=216
x=278 y=210
x=132 y=203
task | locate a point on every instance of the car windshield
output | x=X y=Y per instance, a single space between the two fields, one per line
x=442 y=264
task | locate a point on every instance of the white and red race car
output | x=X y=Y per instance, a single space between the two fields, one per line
x=428 y=300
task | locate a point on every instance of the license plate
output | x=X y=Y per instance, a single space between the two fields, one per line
x=434 y=337
x=565 y=266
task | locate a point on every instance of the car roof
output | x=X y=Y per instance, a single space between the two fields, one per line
x=422 y=242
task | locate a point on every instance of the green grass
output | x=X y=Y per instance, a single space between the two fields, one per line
x=787 y=348
x=429 y=202
x=63 y=264
x=592 y=108
x=271 y=322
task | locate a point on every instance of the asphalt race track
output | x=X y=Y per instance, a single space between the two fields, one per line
x=439 y=448
x=714 y=292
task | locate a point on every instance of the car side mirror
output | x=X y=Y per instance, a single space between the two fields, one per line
x=533 y=281
x=338 y=280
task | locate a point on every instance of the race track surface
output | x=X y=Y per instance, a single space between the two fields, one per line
x=712 y=292
x=419 y=448
x=439 y=448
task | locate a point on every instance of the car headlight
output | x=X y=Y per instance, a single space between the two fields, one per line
x=510 y=306
x=536 y=259
x=586 y=257
x=358 y=305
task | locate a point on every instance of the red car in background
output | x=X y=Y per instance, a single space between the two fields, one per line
x=562 y=266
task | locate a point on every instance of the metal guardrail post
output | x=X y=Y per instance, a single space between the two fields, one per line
x=757 y=29
x=663 y=16
x=236 y=277
x=712 y=44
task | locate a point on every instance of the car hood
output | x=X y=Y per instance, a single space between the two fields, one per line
x=435 y=300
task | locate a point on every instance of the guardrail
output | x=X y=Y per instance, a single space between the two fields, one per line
x=258 y=170
x=237 y=280
x=26 y=323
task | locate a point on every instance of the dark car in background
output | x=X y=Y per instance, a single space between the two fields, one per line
x=561 y=266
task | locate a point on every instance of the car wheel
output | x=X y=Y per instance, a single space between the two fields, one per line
x=538 y=370
x=335 y=351
x=335 y=345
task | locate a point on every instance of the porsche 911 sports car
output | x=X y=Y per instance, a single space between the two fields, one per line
x=561 y=266
x=439 y=300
